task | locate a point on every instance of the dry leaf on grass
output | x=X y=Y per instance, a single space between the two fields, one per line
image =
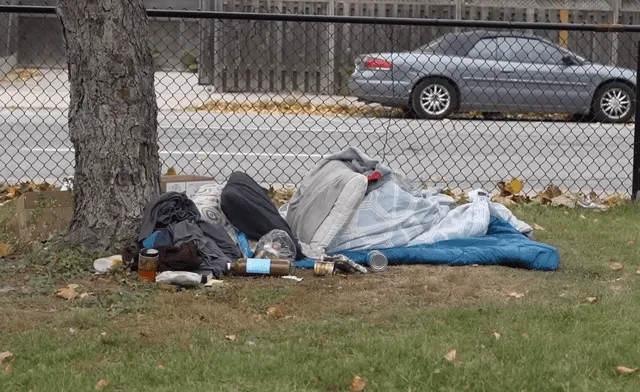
x=616 y=266
x=515 y=295
x=5 y=250
x=504 y=200
x=8 y=369
x=160 y=366
x=275 y=312
x=638 y=271
x=514 y=186
x=626 y=370
x=451 y=355
x=358 y=384
x=496 y=334
x=102 y=383
x=537 y=227
x=631 y=242
x=525 y=335
x=233 y=338
x=68 y=292
x=170 y=172
x=5 y=355
x=591 y=299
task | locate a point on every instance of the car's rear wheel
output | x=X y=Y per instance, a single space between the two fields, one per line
x=434 y=98
x=614 y=103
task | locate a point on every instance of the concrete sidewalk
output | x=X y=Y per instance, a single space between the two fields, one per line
x=175 y=91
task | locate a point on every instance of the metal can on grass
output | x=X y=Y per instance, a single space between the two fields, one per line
x=377 y=261
x=323 y=268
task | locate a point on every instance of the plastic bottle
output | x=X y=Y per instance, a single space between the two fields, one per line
x=267 y=267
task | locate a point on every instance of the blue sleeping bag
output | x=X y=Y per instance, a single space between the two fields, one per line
x=503 y=245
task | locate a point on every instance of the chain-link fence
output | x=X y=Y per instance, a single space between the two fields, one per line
x=458 y=104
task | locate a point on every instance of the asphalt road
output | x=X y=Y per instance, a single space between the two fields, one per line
x=282 y=148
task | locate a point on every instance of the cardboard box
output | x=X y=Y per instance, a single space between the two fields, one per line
x=39 y=214
x=184 y=184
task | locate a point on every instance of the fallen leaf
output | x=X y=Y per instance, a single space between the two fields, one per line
x=516 y=295
x=525 y=335
x=497 y=335
x=233 y=338
x=5 y=250
x=626 y=370
x=67 y=293
x=563 y=201
x=160 y=366
x=616 y=266
x=441 y=322
x=583 y=217
x=8 y=369
x=591 y=299
x=538 y=227
x=170 y=172
x=451 y=355
x=275 y=312
x=102 y=383
x=5 y=355
x=514 y=186
x=631 y=242
x=638 y=271
x=358 y=384
x=505 y=201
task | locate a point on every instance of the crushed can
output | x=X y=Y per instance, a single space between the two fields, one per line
x=377 y=261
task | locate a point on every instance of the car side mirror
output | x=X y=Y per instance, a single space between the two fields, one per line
x=567 y=59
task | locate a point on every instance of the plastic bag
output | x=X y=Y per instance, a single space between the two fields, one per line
x=276 y=244
x=180 y=278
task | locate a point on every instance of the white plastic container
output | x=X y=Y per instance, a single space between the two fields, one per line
x=104 y=264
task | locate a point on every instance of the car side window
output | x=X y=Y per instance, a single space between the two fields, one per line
x=485 y=49
x=525 y=50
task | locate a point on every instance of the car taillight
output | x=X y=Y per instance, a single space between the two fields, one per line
x=377 y=64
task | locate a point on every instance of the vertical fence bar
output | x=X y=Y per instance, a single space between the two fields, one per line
x=635 y=186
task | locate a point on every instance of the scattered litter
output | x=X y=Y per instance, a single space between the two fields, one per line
x=291 y=277
x=451 y=355
x=563 y=201
x=497 y=335
x=516 y=295
x=103 y=334
x=583 y=217
x=180 y=278
x=215 y=283
x=251 y=343
x=104 y=264
x=591 y=299
x=233 y=338
x=72 y=331
x=102 y=383
x=537 y=227
x=7 y=289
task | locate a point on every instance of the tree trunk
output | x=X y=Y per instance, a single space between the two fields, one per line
x=112 y=119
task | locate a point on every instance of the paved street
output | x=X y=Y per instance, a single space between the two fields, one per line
x=282 y=148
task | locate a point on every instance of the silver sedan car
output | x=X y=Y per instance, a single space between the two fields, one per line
x=495 y=72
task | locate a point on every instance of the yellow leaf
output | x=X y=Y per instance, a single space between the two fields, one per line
x=102 y=383
x=616 y=266
x=514 y=186
x=275 y=312
x=170 y=172
x=538 y=227
x=5 y=250
x=358 y=384
x=451 y=355
x=626 y=370
x=68 y=292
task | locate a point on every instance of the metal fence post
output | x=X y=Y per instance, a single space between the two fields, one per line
x=635 y=187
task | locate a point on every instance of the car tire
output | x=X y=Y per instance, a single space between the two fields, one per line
x=614 y=103
x=434 y=99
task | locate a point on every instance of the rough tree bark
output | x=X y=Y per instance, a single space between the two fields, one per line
x=112 y=118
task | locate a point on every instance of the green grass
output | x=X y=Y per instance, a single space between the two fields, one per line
x=393 y=329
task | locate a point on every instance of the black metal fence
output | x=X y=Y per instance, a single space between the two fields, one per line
x=458 y=104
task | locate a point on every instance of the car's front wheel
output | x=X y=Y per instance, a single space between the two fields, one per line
x=614 y=103
x=434 y=99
